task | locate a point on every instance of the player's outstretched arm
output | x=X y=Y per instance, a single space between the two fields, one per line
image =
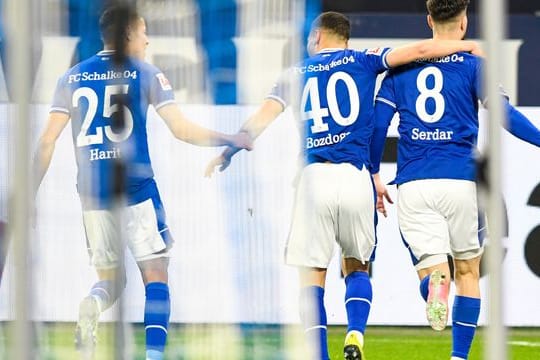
x=56 y=122
x=253 y=127
x=265 y=114
x=430 y=48
x=519 y=126
x=185 y=130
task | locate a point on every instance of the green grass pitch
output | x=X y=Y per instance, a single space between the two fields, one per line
x=250 y=342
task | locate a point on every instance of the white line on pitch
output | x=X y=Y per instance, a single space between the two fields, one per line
x=524 y=343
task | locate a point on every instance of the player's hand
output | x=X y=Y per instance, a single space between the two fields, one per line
x=242 y=140
x=222 y=161
x=382 y=195
x=477 y=50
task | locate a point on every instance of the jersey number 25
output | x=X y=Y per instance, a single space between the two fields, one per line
x=85 y=139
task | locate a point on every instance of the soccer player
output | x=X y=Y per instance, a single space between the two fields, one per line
x=437 y=100
x=335 y=200
x=92 y=94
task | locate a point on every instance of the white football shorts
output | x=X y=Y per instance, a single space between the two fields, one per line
x=438 y=217
x=334 y=203
x=143 y=229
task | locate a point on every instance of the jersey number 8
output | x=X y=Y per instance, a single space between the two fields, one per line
x=85 y=139
x=433 y=93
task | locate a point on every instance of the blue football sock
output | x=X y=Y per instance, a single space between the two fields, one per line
x=313 y=317
x=154 y=355
x=464 y=319
x=424 y=288
x=358 y=296
x=105 y=293
x=157 y=310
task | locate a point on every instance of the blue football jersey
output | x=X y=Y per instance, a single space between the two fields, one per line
x=437 y=101
x=92 y=93
x=332 y=93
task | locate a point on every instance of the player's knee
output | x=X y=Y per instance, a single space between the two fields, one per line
x=154 y=270
x=350 y=265
x=466 y=270
x=108 y=291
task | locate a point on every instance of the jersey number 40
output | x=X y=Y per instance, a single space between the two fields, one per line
x=311 y=93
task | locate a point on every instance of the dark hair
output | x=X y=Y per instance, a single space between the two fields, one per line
x=114 y=22
x=444 y=10
x=334 y=22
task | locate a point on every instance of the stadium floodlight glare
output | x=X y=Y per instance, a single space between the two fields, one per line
x=493 y=26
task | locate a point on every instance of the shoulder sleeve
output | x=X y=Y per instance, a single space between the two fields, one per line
x=478 y=79
x=161 y=91
x=385 y=108
x=61 y=99
x=386 y=94
x=374 y=59
x=281 y=91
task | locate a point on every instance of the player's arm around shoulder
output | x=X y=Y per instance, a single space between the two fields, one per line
x=56 y=122
x=430 y=48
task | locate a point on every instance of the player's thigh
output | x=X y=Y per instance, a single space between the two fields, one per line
x=459 y=205
x=356 y=214
x=423 y=228
x=147 y=234
x=103 y=238
x=312 y=234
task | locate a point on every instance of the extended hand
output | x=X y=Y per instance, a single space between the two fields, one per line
x=382 y=194
x=477 y=50
x=221 y=161
x=242 y=140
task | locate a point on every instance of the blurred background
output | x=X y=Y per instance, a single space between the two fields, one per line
x=222 y=57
